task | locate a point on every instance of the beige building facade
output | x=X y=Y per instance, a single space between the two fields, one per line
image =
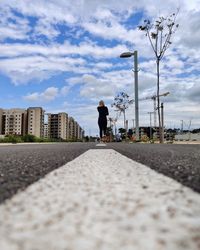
x=31 y=121
x=71 y=128
x=75 y=131
x=80 y=133
x=13 y=121
x=46 y=130
x=1 y=117
x=35 y=121
x=58 y=126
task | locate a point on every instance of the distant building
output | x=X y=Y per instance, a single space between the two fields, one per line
x=80 y=133
x=46 y=131
x=35 y=121
x=71 y=129
x=58 y=125
x=1 y=118
x=187 y=137
x=31 y=121
x=76 y=129
x=13 y=121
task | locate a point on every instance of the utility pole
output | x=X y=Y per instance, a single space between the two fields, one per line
x=150 y=113
x=181 y=126
x=89 y=134
x=126 y=125
x=154 y=104
x=162 y=122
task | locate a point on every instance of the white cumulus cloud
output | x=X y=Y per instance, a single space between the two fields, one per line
x=48 y=95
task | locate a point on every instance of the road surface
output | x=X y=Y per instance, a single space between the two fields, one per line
x=85 y=196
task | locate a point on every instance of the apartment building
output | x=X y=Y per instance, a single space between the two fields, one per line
x=80 y=133
x=46 y=130
x=74 y=129
x=31 y=121
x=13 y=121
x=58 y=126
x=35 y=121
x=1 y=118
x=71 y=128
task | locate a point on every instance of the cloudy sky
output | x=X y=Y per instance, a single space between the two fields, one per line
x=64 y=56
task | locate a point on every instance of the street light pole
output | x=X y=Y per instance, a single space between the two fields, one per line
x=136 y=96
x=135 y=54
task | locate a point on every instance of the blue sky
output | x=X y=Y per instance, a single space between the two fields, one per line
x=64 y=56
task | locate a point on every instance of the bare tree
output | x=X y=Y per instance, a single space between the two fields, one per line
x=159 y=35
x=122 y=102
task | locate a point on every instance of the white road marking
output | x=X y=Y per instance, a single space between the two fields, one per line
x=101 y=145
x=102 y=200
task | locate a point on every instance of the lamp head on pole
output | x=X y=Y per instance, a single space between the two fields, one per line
x=127 y=54
x=167 y=93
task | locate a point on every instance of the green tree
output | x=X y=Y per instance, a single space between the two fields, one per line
x=159 y=34
x=121 y=103
x=29 y=138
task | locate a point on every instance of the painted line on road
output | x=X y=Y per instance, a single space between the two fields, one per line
x=102 y=200
x=101 y=145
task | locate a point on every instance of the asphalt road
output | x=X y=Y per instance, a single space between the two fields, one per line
x=180 y=162
x=21 y=165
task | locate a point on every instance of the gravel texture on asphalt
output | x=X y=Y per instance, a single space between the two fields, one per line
x=21 y=165
x=102 y=200
x=180 y=162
